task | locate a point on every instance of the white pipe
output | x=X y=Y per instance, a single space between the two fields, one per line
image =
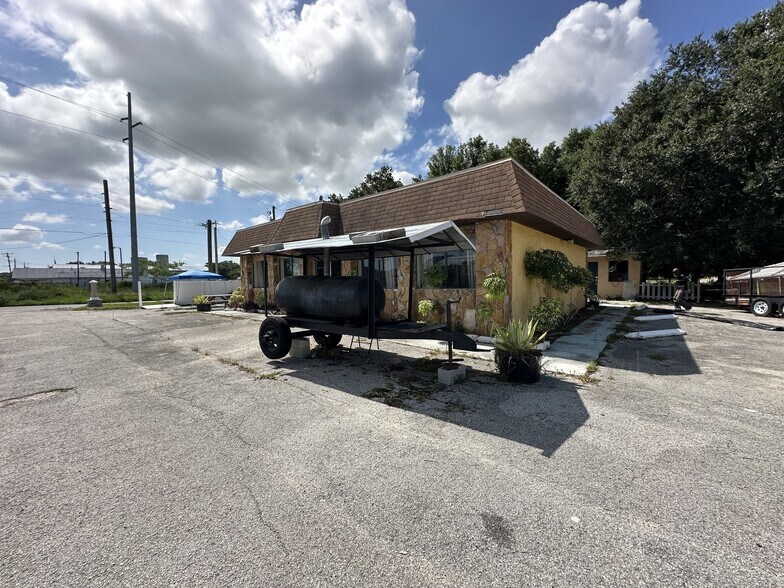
x=140 y=294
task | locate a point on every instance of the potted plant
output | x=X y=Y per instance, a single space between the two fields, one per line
x=202 y=303
x=516 y=354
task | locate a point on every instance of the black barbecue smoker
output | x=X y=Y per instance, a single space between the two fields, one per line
x=328 y=307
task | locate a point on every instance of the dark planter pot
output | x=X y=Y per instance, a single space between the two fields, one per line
x=525 y=369
x=203 y=307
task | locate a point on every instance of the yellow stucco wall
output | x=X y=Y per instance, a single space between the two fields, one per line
x=525 y=291
x=625 y=290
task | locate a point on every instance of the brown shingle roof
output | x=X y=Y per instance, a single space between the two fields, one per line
x=245 y=238
x=303 y=222
x=502 y=189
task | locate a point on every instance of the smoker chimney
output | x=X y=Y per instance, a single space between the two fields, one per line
x=325 y=227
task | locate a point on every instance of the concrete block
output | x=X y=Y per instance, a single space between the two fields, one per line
x=300 y=348
x=93 y=302
x=449 y=374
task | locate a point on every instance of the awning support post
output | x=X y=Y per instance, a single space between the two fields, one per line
x=371 y=293
x=411 y=286
x=266 y=283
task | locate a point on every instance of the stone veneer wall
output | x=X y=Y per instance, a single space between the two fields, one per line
x=492 y=239
x=496 y=241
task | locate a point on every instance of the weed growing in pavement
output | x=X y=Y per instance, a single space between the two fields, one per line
x=268 y=376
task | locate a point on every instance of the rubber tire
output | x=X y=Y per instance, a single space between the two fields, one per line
x=275 y=337
x=760 y=307
x=327 y=340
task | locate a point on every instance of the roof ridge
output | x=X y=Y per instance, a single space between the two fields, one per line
x=541 y=183
x=428 y=181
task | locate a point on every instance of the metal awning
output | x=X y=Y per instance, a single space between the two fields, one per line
x=417 y=239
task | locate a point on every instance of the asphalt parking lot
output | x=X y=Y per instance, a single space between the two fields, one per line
x=144 y=448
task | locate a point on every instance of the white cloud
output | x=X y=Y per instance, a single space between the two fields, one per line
x=42 y=217
x=259 y=220
x=231 y=225
x=45 y=245
x=300 y=104
x=574 y=77
x=21 y=235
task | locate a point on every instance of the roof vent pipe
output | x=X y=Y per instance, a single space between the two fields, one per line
x=324 y=225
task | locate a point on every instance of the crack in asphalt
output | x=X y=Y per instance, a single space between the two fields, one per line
x=33 y=395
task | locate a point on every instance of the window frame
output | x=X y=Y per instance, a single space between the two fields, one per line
x=426 y=260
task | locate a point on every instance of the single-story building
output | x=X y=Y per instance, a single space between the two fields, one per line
x=501 y=207
x=617 y=276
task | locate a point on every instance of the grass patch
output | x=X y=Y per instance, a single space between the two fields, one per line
x=33 y=294
x=592 y=368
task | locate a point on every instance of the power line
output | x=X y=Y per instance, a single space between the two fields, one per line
x=197 y=174
x=38 y=246
x=236 y=175
x=43 y=230
x=46 y=122
x=46 y=182
x=209 y=140
x=34 y=89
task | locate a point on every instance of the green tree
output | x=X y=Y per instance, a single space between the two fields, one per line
x=522 y=151
x=475 y=151
x=690 y=170
x=230 y=270
x=379 y=181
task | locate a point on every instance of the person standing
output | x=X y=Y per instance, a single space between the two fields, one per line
x=682 y=282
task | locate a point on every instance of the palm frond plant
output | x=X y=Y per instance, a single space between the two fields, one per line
x=202 y=302
x=516 y=354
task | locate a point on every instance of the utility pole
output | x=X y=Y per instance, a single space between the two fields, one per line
x=208 y=224
x=8 y=257
x=122 y=269
x=132 y=188
x=109 y=233
x=272 y=214
x=77 y=269
x=215 y=242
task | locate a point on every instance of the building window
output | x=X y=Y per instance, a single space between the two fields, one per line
x=618 y=271
x=259 y=270
x=386 y=271
x=290 y=266
x=335 y=264
x=461 y=265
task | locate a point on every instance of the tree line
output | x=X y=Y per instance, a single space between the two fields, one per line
x=689 y=171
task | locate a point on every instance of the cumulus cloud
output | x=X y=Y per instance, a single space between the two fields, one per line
x=42 y=217
x=231 y=225
x=46 y=245
x=297 y=103
x=258 y=220
x=21 y=235
x=574 y=77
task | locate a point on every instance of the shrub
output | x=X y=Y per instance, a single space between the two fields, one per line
x=495 y=287
x=548 y=313
x=201 y=299
x=551 y=268
x=426 y=308
x=258 y=297
x=236 y=299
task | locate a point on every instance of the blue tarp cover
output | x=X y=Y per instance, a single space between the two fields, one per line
x=196 y=275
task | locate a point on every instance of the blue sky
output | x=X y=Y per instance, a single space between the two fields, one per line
x=246 y=105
